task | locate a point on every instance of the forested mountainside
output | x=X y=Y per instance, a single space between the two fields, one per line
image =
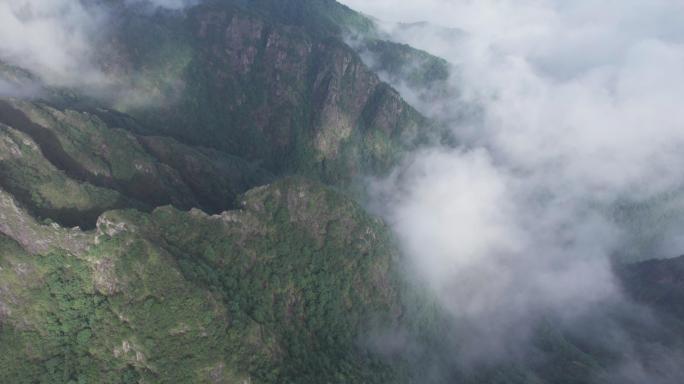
x=199 y=218
x=155 y=235
x=276 y=291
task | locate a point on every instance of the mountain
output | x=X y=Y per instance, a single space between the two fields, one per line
x=273 y=292
x=199 y=217
x=292 y=96
x=155 y=235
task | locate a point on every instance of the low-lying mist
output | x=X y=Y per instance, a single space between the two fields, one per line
x=570 y=164
x=63 y=44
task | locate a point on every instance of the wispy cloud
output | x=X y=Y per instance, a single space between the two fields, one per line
x=574 y=151
x=59 y=41
x=50 y=38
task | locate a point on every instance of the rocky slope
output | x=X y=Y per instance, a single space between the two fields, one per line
x=252 y=81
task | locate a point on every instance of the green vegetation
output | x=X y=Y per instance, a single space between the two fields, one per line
x=276 y=292
x=71 y=166
x=44 y=189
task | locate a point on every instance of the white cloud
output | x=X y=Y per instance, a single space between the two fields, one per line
x=578 y=117
x=50 y=38
x=57 y=40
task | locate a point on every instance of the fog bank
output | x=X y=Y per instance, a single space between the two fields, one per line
x=572 y=160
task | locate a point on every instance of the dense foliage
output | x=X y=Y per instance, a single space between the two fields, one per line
x=277 y=292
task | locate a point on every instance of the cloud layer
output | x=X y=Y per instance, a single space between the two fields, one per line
x=573 y=159
x=57 y=40
x=50 y=38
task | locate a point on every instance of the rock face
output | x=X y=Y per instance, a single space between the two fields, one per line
x=291 y=98
x=34 y=237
